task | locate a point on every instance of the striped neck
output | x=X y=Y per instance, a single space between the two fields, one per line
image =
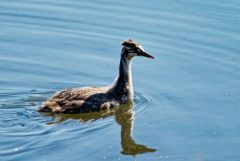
x=123 y=86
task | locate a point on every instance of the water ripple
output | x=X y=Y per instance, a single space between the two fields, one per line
x=51 y=45
x=142 y=103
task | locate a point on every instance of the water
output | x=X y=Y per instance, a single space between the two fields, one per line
x=187 y=102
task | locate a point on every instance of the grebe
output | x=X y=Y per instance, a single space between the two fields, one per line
x=93 y=99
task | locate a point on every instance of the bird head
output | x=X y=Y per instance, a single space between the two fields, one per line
x=132 y=48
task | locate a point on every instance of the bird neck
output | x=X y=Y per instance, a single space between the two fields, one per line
x=123 y=86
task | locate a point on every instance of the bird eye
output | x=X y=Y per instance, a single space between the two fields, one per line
x=139 y=50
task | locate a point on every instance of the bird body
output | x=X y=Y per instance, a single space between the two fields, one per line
x=93 y=99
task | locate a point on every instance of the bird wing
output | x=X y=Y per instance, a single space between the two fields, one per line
x=78 y=93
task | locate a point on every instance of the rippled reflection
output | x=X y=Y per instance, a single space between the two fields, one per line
x=124 y=116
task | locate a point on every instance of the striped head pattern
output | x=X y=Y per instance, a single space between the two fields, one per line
x=132 y=48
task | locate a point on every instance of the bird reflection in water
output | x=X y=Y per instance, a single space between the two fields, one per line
x=124 y=116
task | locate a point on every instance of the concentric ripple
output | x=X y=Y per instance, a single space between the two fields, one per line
x=22 y=123
x=142 y=103
x=27 y=127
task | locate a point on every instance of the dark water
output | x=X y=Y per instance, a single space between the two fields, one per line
x=187 y=102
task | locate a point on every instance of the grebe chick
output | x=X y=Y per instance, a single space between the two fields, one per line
x=93 y=99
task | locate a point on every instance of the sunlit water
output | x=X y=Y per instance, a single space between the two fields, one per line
x=187 y=100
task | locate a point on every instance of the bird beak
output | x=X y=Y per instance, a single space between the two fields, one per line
x=147 y=55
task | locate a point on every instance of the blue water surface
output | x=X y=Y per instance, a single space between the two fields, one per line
x=187 y=100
